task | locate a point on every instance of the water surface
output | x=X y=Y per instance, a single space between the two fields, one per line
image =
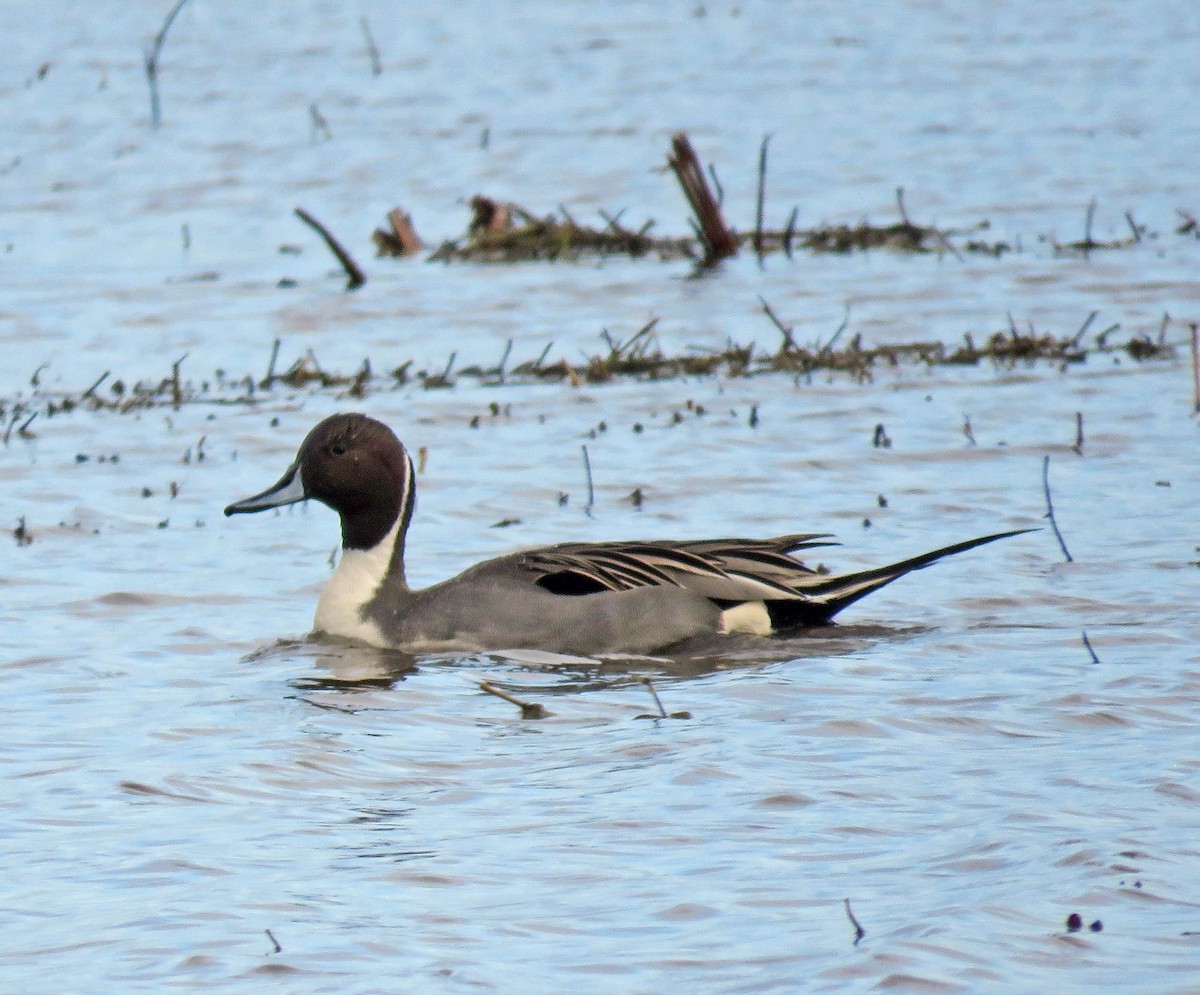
x=183 y=772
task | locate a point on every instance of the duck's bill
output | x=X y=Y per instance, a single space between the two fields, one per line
x=288 y=490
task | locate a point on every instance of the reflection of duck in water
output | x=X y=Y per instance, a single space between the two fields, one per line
x=581 y=598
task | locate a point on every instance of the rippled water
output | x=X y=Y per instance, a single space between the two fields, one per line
x=182 y=772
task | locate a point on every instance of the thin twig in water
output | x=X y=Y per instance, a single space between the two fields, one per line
x=1195 y=367
x=150 y=62
x=504 y=360
x=587 y=469
x=355 y=276
x=789 y=232
x=1078 y=447
x=537 y=363
x=372 y=48
x=1134 y=227
x=1162 y=328
x=654 y=694
x=529 y=709
x=92 y=389
x=837 y=332
x=789 y=344
x=662 y=712
x=274 y=942
x=859 y=932
x=1087 y=323
x=176 y=386
x=1050 y=510
x=270 y=377
x=319 y=125
x=1088 y=646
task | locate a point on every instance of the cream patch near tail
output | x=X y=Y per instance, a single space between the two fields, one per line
x=750 y=617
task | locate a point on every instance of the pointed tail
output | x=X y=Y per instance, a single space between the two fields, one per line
x=830 y=595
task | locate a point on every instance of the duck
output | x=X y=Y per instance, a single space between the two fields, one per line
x=576 y=598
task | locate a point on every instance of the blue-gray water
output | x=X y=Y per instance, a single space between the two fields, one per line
x=179 y=773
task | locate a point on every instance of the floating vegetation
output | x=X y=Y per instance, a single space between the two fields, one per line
x=520 y=236
x=506 y=232
x=501 y=232
x=639 y=357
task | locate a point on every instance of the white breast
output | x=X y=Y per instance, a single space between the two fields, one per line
x=355 y=581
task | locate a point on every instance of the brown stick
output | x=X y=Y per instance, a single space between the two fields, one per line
x=719 y=242
x=355 y=276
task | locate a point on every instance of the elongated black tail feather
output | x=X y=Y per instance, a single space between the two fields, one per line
x=830 y=595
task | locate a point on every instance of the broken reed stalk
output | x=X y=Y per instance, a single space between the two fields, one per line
x=719 y=242
x=274 y=942
x=150 y=62
x=402 y=240
x=759 y=200
x=176 y=386
x=270 y=377
x=1050 y=510
x=355 y=277
x=859 y=932
x=1087 y=643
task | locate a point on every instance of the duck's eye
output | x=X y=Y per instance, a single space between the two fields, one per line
x=338 y=449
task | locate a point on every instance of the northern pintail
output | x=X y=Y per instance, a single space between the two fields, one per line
x=576 y=597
